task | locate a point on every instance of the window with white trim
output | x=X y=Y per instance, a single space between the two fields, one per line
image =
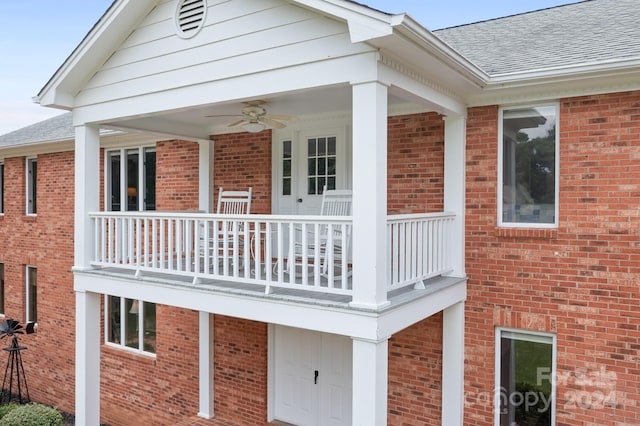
x=31 y=292
x=31 y=190
x=130 y=323
x=528 y=166
x=131 y=179
x=525 y=385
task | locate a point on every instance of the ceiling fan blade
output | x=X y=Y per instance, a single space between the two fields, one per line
x=273 y=123
x=224 y=115
x=237 y=123
x=281 y=117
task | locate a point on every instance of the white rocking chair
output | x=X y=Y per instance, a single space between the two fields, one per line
x=335 y=202
x=228 y=238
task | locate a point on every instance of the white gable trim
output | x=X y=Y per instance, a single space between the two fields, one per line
x=111 y=30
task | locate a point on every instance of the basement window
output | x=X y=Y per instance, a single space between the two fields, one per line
x=190 y=17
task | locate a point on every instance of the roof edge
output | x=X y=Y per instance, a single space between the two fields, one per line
x=412 y=30
x=113 y=26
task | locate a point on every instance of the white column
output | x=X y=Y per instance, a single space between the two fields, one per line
x=205 y=341
x=453 y=365
x=455 y=135
x=369 y=195
x=370 y=371
x=87 y=408
x=87 y=188
x=205 y=167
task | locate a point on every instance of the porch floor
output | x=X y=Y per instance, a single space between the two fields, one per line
x=396 y=297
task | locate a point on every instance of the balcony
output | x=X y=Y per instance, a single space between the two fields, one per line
x=287 y=252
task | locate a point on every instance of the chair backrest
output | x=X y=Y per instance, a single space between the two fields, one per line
x=234 y=202
x=336 y=202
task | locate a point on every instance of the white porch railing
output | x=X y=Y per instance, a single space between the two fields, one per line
x=418 y=248
x=296 y=252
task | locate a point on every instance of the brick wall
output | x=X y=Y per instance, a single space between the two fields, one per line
x=240 y=360
x=415 y=164
x=177 y=166
x=579 y=281
x=46 y=242
x=243 y=160
x=415 y=374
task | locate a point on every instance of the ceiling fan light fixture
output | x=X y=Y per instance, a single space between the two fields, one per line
x=253 y=127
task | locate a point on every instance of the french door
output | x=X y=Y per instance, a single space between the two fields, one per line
x=304 y=164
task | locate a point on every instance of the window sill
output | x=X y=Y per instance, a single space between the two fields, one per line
x=129 y=353
x=533 y=233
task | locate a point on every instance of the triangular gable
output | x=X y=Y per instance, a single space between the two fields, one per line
x=238 y=38
x=128 y=19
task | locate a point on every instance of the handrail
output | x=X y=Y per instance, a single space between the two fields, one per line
x=306 y=252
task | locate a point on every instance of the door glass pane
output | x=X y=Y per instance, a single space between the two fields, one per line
x=286 y=186
x=331 y=146
x=322 y=170
x=133 y=188
x=321 y=164
x=322 y=147
x=331 y=167
x=114 y=170
x=286 y=167
x=286 y=149
x=150 y=179
x=311 y=147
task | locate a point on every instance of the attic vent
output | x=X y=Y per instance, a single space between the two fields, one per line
x=190 y=16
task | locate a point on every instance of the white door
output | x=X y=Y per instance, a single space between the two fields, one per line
x=306 y=162
x=312 y=378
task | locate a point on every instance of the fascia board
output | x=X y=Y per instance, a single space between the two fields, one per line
x=413 y=31
x=364 y=23
x=582 y=71
x=96 y=47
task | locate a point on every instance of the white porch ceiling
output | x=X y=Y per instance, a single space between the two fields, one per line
x=304 y=105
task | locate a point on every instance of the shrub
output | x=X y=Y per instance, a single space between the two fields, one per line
x=32 y=415
x=7 y=408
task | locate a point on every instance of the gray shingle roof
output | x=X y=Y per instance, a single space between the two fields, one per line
x=53 y=129
x=593 y=31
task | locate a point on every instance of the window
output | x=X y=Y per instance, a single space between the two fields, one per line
x=525 y=365
x=321 y=164
x=528 y=168
x=1 y=188
x=131 y=324
x=2 y=289
x=129 y=178
x=31 y=311
x=287 y=167
x=32 y=178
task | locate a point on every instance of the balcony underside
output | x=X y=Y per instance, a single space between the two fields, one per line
x=396 y=298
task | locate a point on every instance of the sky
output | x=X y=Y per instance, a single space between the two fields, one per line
x=36 y=37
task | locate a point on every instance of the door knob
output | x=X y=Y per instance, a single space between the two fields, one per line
x=299 y=200
x=315 y=377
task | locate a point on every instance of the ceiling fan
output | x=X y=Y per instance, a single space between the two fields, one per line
x=255 y=118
